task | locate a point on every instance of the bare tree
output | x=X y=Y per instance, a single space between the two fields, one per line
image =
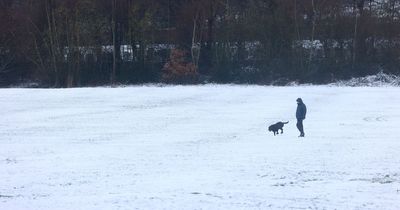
x=114 y=40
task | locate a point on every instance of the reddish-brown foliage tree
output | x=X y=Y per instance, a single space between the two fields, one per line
x=178 y=70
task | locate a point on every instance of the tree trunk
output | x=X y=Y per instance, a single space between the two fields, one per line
x=358 y=41
x=70 y=49
x=78 y=51
x=298 y=38
x=355 y=41
x=194 y=50
x=314 y=20
x=113 y=28
x=50 y=22
x=208 y=52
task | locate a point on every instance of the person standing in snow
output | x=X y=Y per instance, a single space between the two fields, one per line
x=300 y=115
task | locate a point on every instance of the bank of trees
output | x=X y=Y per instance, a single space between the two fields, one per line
x=68 y=43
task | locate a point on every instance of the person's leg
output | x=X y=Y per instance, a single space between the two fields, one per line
x=300 y=127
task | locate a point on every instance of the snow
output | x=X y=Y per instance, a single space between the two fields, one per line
x=199 y=147
x=380 y=79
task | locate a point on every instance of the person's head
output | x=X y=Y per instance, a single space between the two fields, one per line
x=299 y=101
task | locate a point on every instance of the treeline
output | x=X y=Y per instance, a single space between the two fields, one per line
x=69 y=43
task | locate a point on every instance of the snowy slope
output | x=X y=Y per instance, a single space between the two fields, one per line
x=201 y=147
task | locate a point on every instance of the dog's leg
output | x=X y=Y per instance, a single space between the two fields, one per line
x=281 y=130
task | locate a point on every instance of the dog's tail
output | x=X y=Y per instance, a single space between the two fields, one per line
x=286 y=122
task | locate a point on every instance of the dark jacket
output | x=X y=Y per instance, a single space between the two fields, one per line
x=301 y=111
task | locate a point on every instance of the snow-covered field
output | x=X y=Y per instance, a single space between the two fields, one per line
x=199 y=147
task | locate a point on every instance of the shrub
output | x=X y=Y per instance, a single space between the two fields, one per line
x=178 y=70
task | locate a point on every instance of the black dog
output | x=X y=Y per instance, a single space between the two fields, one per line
x=276 y=127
